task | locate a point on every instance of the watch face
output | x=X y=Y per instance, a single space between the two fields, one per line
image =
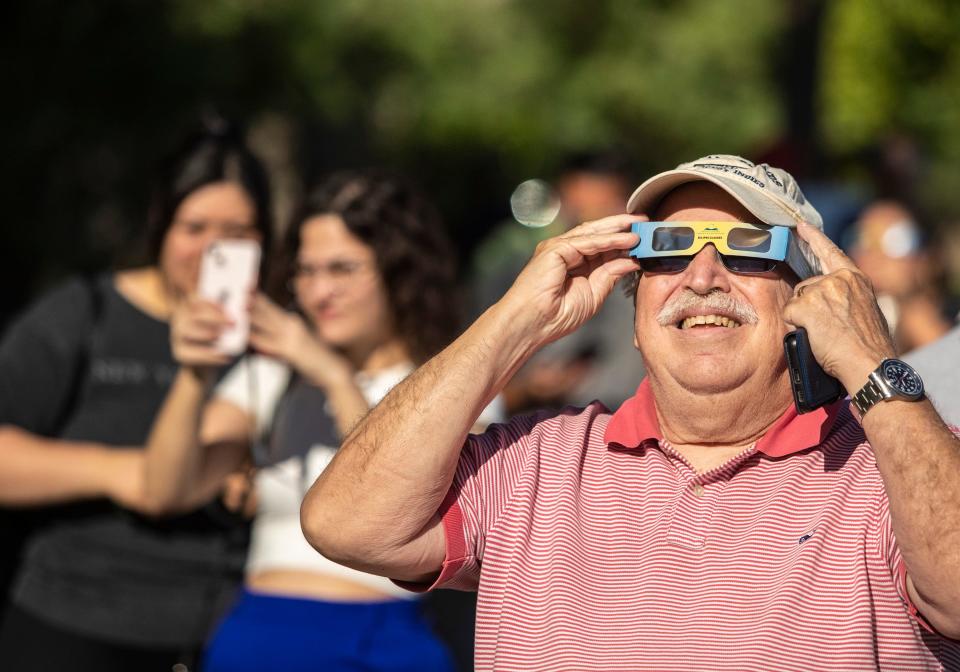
x=902 y=378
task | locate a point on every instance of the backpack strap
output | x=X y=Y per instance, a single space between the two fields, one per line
x=91 y=284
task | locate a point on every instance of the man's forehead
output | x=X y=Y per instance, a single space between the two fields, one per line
x=701 y=200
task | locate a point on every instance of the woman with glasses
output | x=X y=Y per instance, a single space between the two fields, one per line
x=104 y=584
x=371 y=275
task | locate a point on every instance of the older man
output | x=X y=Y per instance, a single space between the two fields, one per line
x=705 y=525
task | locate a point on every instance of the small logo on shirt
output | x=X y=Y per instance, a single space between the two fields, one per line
x=807 y=536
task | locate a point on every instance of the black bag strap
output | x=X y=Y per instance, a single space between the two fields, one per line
x=91 y=284
x=261 y=449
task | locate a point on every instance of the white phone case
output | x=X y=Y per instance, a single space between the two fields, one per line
x=228 y=276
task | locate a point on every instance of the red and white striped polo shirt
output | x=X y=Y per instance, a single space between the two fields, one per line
x=595 y=546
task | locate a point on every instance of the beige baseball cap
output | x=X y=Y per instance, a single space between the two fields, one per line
x=771 y=194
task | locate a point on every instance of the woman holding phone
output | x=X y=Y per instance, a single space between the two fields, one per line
x=371 y=273
x=103 y=584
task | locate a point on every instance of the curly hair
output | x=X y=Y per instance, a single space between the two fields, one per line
x=413 y=254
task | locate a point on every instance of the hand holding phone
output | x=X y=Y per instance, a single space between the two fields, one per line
x=812 y=386
x=228 y=276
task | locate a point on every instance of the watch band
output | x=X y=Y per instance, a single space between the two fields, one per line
x=905 y=385
x=869 y=396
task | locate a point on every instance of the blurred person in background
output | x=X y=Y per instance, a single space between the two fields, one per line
x=598 y=361
x=939 y=364
x=103 y=585
x=372 y=274
x=589 y=185
x=889 y=246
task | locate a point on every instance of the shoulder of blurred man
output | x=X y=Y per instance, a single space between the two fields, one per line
x=500 y=257
x=939 y=366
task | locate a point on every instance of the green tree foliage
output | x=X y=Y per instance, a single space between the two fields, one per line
x=469 y=96
x=894 y=66
x=528 y=80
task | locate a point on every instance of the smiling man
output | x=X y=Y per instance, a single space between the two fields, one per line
x=704 y=524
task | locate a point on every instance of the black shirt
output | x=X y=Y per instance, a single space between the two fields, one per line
x=85 y=364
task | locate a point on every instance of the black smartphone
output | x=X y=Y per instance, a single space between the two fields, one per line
x=812 y=386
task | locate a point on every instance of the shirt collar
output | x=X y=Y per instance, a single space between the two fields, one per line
x=635 y=422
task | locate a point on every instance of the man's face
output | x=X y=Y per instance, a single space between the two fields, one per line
x=888 y=250
x=711 y=358
x=588 y=196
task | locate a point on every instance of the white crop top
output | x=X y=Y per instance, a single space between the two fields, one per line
x=256 y=385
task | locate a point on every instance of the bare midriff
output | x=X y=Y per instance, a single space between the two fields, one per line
x=293 y=583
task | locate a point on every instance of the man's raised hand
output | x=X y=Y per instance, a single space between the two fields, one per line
x=570 y=276
x=847 y=332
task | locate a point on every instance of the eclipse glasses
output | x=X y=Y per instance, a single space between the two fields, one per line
x=744 y=248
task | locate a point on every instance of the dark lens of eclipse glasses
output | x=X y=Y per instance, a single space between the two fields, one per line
x=742 y=265
x=667 y=238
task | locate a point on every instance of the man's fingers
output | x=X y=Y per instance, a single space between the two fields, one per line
x=610 y=224
x=605 y=277
x=577 y=249
x=803 y=284
x=831 y=257
x=602 y=259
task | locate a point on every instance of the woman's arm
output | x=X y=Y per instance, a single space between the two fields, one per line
x=193 y=445
x=35 y=470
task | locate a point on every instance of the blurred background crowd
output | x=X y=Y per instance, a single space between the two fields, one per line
x=469 y=101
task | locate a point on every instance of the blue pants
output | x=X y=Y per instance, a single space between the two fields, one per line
x=269 y=632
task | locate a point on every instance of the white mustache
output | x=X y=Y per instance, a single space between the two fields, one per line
x=706 y=304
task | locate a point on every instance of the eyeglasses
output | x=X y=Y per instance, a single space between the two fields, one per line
x=744 y=248
x=340 y=272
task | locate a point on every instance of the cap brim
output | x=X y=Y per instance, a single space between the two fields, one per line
x=649 y=194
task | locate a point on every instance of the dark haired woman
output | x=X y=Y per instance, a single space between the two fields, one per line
x=372 y=273
x=103 y=584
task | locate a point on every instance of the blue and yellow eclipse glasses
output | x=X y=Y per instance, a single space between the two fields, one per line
x=669 y=247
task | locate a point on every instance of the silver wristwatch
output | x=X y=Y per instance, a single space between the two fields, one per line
x=893 y=379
